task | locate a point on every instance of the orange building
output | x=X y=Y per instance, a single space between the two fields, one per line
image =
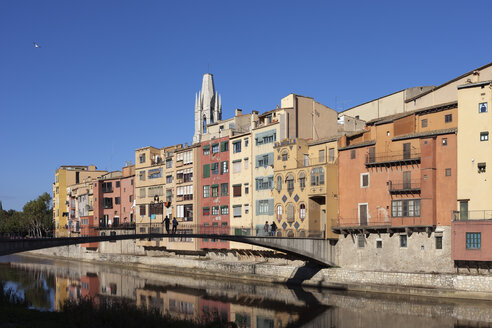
x=397 y=191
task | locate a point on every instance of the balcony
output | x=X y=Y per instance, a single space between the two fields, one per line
x=392 y=158
x=404 y=187
x=472 y=215
x=381 y=224
x=316 y=161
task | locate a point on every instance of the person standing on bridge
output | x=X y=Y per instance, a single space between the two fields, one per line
x=175 y=225
x=167 y=222
x=265 y=228
x=273 y=228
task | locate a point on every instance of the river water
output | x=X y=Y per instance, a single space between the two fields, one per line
x=47 y=283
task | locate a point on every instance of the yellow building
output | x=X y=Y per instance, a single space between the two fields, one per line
x=306 y=187
x=474 y=150
x=66 y=176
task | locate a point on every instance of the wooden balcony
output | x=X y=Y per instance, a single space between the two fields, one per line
x=392 y=159
x=404 y=187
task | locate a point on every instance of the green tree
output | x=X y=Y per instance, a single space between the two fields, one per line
x=37 y=216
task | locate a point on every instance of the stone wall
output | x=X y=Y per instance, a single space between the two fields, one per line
x=420 y=255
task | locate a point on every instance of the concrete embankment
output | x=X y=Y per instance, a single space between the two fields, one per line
x=283 y=271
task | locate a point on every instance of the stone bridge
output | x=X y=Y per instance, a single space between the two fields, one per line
x=315 y=250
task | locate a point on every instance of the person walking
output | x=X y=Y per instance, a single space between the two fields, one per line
x=265 y=228
x=167 y=222
x=273 y=228
x=175 y=225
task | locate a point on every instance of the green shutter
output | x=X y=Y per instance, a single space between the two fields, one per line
x=224 y=146
x=206 y=170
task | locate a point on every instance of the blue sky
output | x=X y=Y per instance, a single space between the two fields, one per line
x=113 y=76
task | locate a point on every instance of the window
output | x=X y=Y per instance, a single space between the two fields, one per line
x=360 y=241
x=130 y=198
x=224 y=189
x=405 y=208
x=483 y=107
x=206 y=150
x=448 y=118
x=438 y=242
x=215 y=210
x=279 y=183
x=484 y=136
x=266 y=137
x=142 y=158
x=444 y=141
x=246 y=142
x=107 y=187
x=117 y=184
x=290 y=212
x=285 y=156
x=302 y=211
x=321 y=155
x=448 y=172
x=317 y=176
x=206 y=191
x=379 y=244
x=236 y=166
x=352 y=154
x=224 y=146
x=224 y=210
x=302 y=180
x=424 y=123
x=215 y=168
x=169 y=179
x=142 y=210
x=215 y=148
x=290 y=183
x=236 y=210
x=331 y=154
x=264 y=183
x=403 y=241
x=236 y=190
x=117 y=200
x=236 y=147
x=264 y=160
x=263 y=206
x=224 y=167
x=481 y=167
x=215 y=190
x=473 y=240
x=246 y=208
x=364 y=180
x=246 y=188
x=206 y=170
x=142 y=192
x=155 y=173
x=169 y=163
x=279 y=212
x=206 y=211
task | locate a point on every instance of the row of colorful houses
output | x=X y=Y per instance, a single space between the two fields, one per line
x=399 y=182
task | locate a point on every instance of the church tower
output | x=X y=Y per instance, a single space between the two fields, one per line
x=208 y=107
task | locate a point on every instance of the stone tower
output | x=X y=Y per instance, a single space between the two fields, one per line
x=208 y=107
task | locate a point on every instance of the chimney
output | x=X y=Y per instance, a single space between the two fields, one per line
x=476 y=76
x=92 y=168
x=239 y=111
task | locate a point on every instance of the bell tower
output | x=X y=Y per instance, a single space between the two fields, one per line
x=208 y=107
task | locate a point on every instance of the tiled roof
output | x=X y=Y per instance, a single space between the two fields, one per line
x=425 y=134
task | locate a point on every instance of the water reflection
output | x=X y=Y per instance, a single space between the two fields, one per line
x=48 y=284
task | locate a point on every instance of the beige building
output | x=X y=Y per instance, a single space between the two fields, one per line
x=474 y=150
x=80 y=198
x=306 y=187
x=65 y=176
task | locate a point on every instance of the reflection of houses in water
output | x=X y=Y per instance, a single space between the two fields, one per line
x=89 y=285
x=61 y=295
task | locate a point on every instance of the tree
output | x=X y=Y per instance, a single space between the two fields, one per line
x=36 y=218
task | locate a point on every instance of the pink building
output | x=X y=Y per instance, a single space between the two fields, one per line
x=114 y=198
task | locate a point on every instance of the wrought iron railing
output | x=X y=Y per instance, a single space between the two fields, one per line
x=392 y=157
x=396 y=186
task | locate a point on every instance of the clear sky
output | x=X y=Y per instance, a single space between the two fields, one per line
x=113 y=76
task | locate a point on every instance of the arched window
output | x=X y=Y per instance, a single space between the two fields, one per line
x=302 y=211
x=279 y=212
x=290 y=212
x=290 y=234
x=204 y=124
x=279 y=183
x=302 y=234
x=317 y=176
x=302 y=180
x=285 y=155
x=290 y=182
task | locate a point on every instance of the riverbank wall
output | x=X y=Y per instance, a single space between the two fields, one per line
x=279 y=270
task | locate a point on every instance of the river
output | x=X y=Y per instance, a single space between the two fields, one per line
x=47 y=283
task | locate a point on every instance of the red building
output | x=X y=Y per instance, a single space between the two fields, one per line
x=88 y=228
x=214 y=191
x=113 y=198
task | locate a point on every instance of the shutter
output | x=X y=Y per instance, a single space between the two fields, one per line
x=206 y=170
x=270 y=159
x=257 y=160
x=257 y=207
x=270 y=207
